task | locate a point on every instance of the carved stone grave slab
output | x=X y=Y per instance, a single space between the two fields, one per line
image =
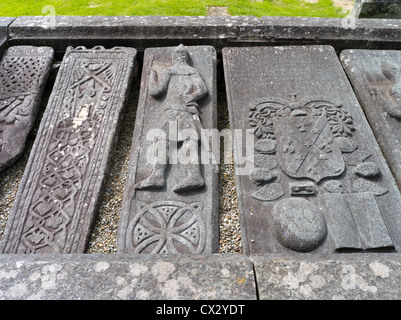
x=61 y=187
x=4 y=24
x=316 y=180
x=376 y=78
x=379 y=9
x=23 y=74
x=170 y=202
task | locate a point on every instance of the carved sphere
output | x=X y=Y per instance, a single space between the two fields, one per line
x=367 y=170
x=266 y=146
x=298 y=224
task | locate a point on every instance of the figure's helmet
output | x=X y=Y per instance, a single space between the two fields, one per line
x=180 y=54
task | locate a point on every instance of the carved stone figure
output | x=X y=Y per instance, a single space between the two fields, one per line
x=182 y=86
x=391 y=99
x=169 y=205
x=376 y=78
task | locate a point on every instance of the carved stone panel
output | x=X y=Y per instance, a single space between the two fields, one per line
x=376 y=78
x=315 y=180
x=60 y=191
x=170 y=198
x=23 y=74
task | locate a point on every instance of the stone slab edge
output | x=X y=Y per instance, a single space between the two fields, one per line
x=370 y=276
x=109 y=277
x=4 y=24
x=218 y=31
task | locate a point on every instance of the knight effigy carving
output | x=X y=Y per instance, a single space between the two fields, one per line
x=169 y=200
x=181 y=86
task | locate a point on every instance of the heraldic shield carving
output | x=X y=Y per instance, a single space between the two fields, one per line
x=313 y=146
x=306 y=135
x=307 y=149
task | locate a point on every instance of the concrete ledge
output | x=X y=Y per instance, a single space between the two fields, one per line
x=355 y=277
x=219 y=31
x=88 y=277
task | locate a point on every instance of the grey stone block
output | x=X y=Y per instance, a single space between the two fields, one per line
x=350 y=277
x=384 y=9
x=301 y=113
x=23 y=74
x=171 y=205
x=218 y=31
x=62 y=184
x=139 y=31
x=4 y=23
x=375 y=76
x=124 y=277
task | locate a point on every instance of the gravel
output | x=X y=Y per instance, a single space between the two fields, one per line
x=103 y=239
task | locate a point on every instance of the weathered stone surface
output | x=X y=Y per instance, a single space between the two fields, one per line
x=339 y=277
x=124 y=277
x=139 y=31
x=331 y=174
x=384 y=9
x=147 y=31
x=170 y=200
x=376 y=78
x=60 y=190
x=23 y=74
x=4 y=23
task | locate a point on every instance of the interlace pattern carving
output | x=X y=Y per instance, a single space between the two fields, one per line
x=61 y=180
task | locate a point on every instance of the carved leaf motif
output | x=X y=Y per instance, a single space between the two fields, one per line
x=261 y=118
x=340 y=121
x=263 y=111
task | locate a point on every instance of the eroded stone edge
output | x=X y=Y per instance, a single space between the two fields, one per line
x=124 y=277
x=358 y=276
x=214 y=276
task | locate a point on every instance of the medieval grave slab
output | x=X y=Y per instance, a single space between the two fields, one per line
x=23 y=74
x=170 y=202
x=315 y=180
x=376 y=78
x=4 y=23
x=62 y=183
x=379 y=9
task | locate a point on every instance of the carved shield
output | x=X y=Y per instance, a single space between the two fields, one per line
x=306 y=147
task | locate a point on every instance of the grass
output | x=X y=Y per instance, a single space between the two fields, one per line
x=323 y=8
